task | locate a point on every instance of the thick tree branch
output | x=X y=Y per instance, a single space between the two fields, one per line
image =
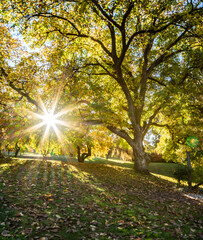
x=107 y=71
x=154 y=31
x=107 y=17
x=122 y=134
x=165 y=56
x=133 y=36
x=143 y=80
x=26 y=95
x=147 y=125
x=127 y=13
x=170 y=128
x=18 y=90
x=151 y=31
x=131 y=109
x=113 y=43
x=144 y=75
x=50 y=15
x=123 y=32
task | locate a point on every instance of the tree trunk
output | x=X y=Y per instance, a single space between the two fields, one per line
x=140 y=157
x=109 y=154
x=83 y=156
x=8 y=149
x=189 y=170
x=17 y=149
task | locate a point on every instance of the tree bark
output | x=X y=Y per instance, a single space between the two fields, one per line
x=8 y=149
x=140 y=157
x=17 y=149
x=83 y=156
x=141 y=160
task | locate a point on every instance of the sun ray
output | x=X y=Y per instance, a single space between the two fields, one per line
x=58 y=134
x=34 y=114
x=26 y=131
x=60 y=137
x=55 y=103
x=42 y=106
x=46 y=134
x=35 y=127
x=65 y=123
x=50 y=119
x=65 y=110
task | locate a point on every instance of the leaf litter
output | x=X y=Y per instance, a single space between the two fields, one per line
x=93 y=201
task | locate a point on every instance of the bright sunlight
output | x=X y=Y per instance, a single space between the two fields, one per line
x=50 y=119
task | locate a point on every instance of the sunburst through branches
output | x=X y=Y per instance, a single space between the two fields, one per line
x=51 y=120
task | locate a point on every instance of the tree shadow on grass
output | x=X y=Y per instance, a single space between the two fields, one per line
x=112 y=162
x=118 y=178
x=89 y=198
x=165 y=169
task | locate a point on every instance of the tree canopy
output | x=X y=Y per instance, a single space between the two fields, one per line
x=130 y=65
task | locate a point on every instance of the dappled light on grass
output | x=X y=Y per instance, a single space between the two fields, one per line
x=170 y=179
x=88 y=179
x=88 y=201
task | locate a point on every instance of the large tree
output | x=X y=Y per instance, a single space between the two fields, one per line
x=128 y=56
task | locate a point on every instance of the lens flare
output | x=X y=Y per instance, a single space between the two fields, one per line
x=49 y=119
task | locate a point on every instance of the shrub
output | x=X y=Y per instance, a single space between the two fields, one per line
x=4 y=159
x=157 y=158
x=181 y=174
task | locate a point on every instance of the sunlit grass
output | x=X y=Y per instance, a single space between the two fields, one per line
x=90 y=201
x=170 y=179
x=89 y=179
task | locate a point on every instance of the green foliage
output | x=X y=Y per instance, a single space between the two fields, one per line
x=197 y=164
x=181 y=173
x=127 y=65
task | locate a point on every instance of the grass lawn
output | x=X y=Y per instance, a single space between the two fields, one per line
x=57 y=200
x=165 y=169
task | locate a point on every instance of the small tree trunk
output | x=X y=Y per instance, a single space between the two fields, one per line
x=109 y=153
x=17 y=149
x=78 y=152
x=189 y=170
x=83 y=156
x=8 y=149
